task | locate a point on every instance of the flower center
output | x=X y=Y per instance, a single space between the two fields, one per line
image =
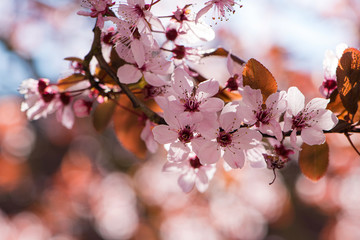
x=65 y=98
x=185 y=135
x=42 y=85
x=179 y=52
x=195 y=162
x=329 y=86
x=47 y=96
x=299 y=121
x=232 y=83
x=139 y=11
x=171 y=34
x=191 y=105
x=263 y=116
x=224 y=138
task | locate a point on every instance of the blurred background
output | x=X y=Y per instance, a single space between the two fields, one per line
x=78 y=184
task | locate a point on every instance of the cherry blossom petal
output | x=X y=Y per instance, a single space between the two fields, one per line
x=147 y=136
x=327 y=120
x=246 y=114
x=187 y=181
x=293 y=140
x=313 y=136
x=178 y=152
x=162 y=102
x=154 y=79
x=287 y=122
x=66 y=116
x=252 y=97
x=138 y=51
x=162 y=67
x=202 y=180
x=275 y=127
x=174 y=167
x=164 y=134
x=211 y=105
x=182 y=83
x=208 y=126
x=197 y=31
x=202 y=11
x=235 y=159
x=175 y=106
x=128 y=74
x=245 y=138
x=209 y=153
x=255 y=156
x=230 y=64
x=277 y=102
x=317 y=103
x=207 y=89
x=155 y=22
x=228 y=118
x=296 y=101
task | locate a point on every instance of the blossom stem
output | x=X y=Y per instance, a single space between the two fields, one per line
x=351 y=142
x=153 y=3
x=274 y=177
x=170 y=16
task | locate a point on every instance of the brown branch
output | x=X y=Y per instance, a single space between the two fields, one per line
x=224 y=53
x=351 y=143
x=96 y=51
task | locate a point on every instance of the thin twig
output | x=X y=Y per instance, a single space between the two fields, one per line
x=351 y=143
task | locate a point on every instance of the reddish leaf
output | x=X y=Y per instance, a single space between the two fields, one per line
x=103 y=114
x=348 y=78
x=259 y=77
x=128 y=126
x=69 y=81
x=314 y=160
x=336 y=106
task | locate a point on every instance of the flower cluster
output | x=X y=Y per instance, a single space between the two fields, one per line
x=200 y=126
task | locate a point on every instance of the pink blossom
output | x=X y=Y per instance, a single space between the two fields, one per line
x=181 y=55
x=65 y=114
x=227 y=139
x=39 y=98
x=82 y=107
x=148 y=137
x=179 y=132
x=187 y=29
x=192 y=101
x=98 y=9
x=310 y=120
x=330 y=64
x=192 y=173
x=221 y=6
x=266 y=115
x=151 y=69
x=138 y=13
x=255 y=156
x=235 y=81
x=132 y=44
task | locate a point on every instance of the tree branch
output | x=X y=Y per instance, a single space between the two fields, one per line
x=96 y=51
